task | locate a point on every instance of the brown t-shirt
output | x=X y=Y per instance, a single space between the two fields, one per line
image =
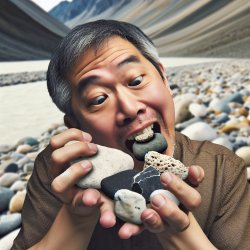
x=224 y=214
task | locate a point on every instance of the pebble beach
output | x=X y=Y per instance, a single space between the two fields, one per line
x=212 y=102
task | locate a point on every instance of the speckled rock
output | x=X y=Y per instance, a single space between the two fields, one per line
x=106 y=162
x=165 y=163
x=158 y=143
x=129 y=206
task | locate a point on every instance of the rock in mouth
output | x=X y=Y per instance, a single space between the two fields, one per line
x=147 y=140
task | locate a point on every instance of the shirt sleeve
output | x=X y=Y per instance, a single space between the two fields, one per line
x=40 y=206
x=231 y=226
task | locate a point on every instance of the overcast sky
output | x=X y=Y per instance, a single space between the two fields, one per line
x=47 y=4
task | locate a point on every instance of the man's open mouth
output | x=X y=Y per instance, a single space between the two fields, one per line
x=144 y=135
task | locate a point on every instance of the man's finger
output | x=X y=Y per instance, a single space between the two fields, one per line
x=187 y=195
x=170 y=213
x=70 y=176
x=196 y=175
x=72 y=134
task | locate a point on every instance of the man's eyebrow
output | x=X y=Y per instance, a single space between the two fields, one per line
x=83 y=83
x=130 y=59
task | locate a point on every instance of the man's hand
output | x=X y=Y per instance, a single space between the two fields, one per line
x=164 y=215
x=87 y=203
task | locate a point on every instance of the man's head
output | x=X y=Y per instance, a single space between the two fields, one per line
x=107 y=78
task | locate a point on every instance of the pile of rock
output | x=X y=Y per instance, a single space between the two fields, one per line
x=16 y=165
x=212 y=103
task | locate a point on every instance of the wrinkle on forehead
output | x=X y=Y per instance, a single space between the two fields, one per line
x=109 y=51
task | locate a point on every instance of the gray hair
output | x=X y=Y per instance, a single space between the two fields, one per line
x=83 y=37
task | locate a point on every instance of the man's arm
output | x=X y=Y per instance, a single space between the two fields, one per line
x=68 y=232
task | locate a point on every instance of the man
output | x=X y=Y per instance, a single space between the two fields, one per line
x=107 y=78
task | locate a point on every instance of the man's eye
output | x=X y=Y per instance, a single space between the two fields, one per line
x=98 y=100
x=136 y=81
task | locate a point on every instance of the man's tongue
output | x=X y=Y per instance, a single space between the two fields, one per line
x=146 y=141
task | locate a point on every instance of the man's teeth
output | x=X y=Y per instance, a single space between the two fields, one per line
x=145 y=134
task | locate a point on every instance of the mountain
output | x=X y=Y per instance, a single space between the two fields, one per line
x=195 y=28
x=27 y=32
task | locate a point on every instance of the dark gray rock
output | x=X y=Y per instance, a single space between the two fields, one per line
x=121 y=180
x=9 y=222
x=158 y=144
x=11 y=168
x=5 y=197
x=146 y=182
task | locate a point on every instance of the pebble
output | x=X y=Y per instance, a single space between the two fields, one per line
x=146 y=182
x=23 y=149
x=18 y=185
x=182 y=103
x=7 y=179
x=167 y=193
x=106 y=162
x=28 y=140
x=198 y=110
x=5 y=197
x=28 y=167
x=158 y=143
x=121 y=180
x=9 y=222
x=16 y=202
x=129 y=206
x=224 y=141
x=7 y=241
x=227 y=82
x=200 y=131
x=11 y=168
x=244 y=153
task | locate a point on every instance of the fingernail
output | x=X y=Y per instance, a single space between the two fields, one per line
x=151 y=219
x=166 y=178
x=92 y=147
x=158 y=201
x=86 y=165
x=86 y=136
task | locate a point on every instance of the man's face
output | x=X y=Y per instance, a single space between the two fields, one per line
x=117 y=92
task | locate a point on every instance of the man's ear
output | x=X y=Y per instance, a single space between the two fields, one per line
x=165 y=77
x=70 y=121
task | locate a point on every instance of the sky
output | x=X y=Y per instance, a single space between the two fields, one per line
x=47 y=4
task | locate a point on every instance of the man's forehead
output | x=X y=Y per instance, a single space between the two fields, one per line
x=112 y=50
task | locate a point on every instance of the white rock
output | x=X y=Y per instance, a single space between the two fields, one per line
x=224 y=142
x=7 y=241
x=198 y=110
x=200 y=131
x=244 y=153
x=18 y=186
x=7 y=179
x=129 y=205
x=181 y=103
x=23 y=149
x=166 y=193
x=107 y=162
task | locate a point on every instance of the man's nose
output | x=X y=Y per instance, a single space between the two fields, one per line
x=129 y=107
